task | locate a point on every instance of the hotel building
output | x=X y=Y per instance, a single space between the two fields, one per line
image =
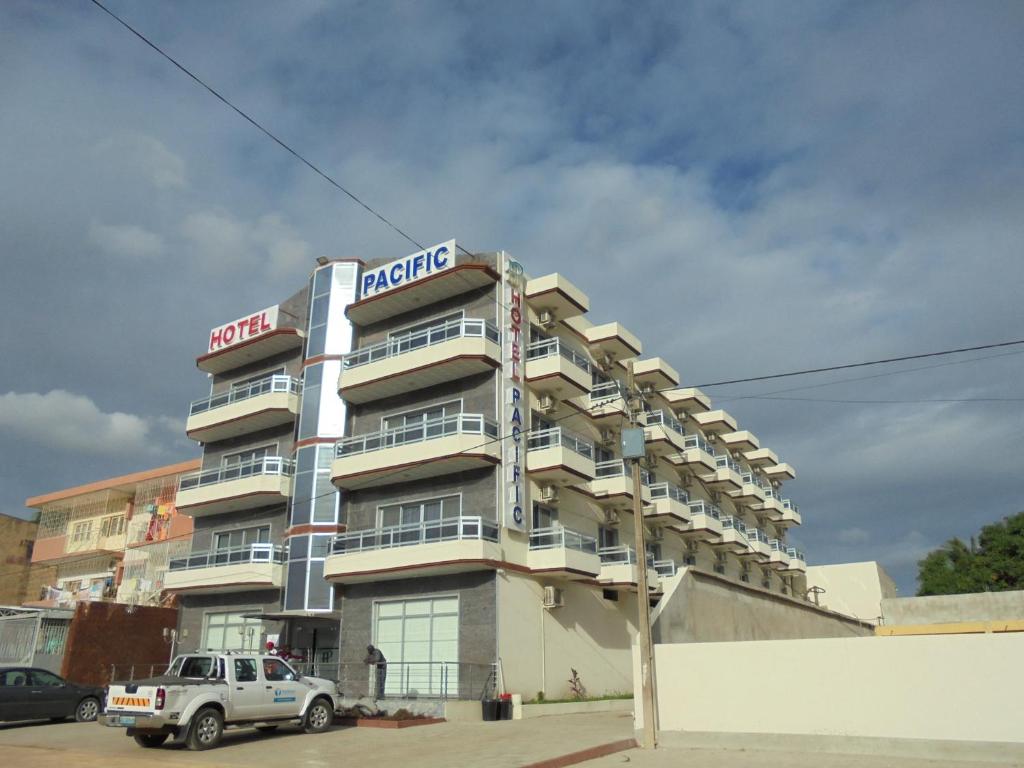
x=423 y=454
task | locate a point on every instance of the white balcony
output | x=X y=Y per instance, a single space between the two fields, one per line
x=669 y=505
x=431 y=548
x=612 y=341
x=239 y=569
x=751 y=494
x=620 y=568
x=797 y=561
x=715 y=422
x=734 y=536
x=257 y=483
x=771 y=507
x=655 y=373
x=665 y=569
x=762 y=457
x=790 y=514
x=554 y=368
x=612 y=486
x=779 y=558
x=664 y=434
x=742 y=440
x=456 y=443
x=726 y=477
x=254 y=406
x=427 y=357
x=557 y=456
x=781 y=472
x=705 y=522
x=557 y=297
x=760 y=544
x=697 y=455
x=689 y=400
x=605 y=403
x=561 y=552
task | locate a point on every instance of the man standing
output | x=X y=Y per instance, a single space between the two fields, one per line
x=375 y=658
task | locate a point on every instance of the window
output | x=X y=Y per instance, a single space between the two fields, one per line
x=610 y=594
x=544 y=517
x=419 y=634
x=41 y=677
x=720 y=562
x=242 y=457
x=401 y=335
x=112 y=526
x=13 y=678
x=607 y=537
x=418 y=512
x=420 y=416
x=276 y=670
x=689 y=560
x=242 y=383
x=231 y=632
x=81 y=532
x=245 y=670
x=654 y=551
x=236 y=540
x=196 y=666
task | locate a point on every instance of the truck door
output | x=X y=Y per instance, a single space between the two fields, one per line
x=283 y=696
x=246 y=690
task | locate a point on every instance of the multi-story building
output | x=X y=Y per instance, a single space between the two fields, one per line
x=110 y=540
x=424 y=455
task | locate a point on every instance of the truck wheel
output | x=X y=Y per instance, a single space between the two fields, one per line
x=87 y=710
x=319 y=716
x=206 y=730
x=150 y=740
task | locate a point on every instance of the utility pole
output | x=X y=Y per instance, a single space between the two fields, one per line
x=633 y=448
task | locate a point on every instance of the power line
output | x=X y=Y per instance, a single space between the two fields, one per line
x=905 y=402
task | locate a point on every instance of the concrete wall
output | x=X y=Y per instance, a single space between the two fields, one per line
x=16 y=537
x=856 y=589
x=948 y=609
x=103 y=634
x=708 y=608
x=952 y=687
x=539 y=647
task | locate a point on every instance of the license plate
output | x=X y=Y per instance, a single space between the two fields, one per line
x=122 y=720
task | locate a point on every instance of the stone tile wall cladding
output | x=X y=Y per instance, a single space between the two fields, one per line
x=477 y=616
x=478 y=303
x=193 y=609
x=290 y=361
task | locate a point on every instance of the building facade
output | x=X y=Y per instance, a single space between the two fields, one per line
x=17 y=537
x=423 y=454
x=110 y=541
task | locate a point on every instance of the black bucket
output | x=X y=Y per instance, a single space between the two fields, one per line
x=505 y=709
x=490 y=708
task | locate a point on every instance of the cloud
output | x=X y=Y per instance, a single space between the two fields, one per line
x=147 y=157
x=128 y=241
x=65 y=421
x=853 y=536
x=221 y=242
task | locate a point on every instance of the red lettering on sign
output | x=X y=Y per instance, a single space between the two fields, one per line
x=264 y=323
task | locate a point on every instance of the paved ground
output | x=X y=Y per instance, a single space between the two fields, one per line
x=495 y=745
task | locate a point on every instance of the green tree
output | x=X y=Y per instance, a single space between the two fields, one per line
x=996 y=564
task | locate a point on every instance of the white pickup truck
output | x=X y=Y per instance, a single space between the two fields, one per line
x=203 y=693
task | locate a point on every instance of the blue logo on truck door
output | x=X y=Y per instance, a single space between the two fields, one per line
x=281 y=695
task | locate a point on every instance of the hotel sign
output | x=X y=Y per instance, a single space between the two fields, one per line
x=244 y=329
x=514 y=406
x=407 y=270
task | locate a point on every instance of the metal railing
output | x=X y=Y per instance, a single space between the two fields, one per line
x=727 y=462
x=606 y=390
x=265 y=465
x=249 y=553
x=621 y=554
x=665 y=568
x=728 y=521
x=669 y=491
x=557 y=537
x=778 y=546
x=419 y=680
x=459 y=423
x=411 y=534
x=277 y=383
x=619 y=468
x=665 y=420
x=696 y=441
x=756 y=534
x=787 y=504
x=701 y=507
x=794 y=553
x=128 y=672
x=554 y=346
x=436 y=334
x=557 y=436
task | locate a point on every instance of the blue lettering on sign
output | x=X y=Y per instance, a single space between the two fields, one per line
x=406 y=270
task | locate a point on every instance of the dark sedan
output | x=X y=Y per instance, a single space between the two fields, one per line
x=27 y=693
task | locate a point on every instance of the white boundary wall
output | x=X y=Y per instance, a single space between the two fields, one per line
x=947 y=687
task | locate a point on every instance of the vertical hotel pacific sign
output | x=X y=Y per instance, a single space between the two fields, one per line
x=513 y=430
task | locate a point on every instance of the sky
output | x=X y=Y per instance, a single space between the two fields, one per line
x=750 y=187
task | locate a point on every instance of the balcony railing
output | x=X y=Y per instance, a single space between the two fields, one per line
x=619 y=468
x=265 y=465
x=756 y=534
x=250 y=553
x=728 y=521
x=436 y=334
x=665 y=568
x=665 y=420
x=701 y=507
x=459 y=423
x=554 y=346
x=556 y=437
x=622 y=554
x=795 y=553
x=726 y=462
x=276 y=383
x=557 y=537
x=606 y=390
x=428 y=532
x=669 y=491
x=787 y=504
x=778 y=546
x=696 y=441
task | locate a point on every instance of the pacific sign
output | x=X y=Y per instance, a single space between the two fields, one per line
x=244 y=329
x=415 y=267
x=514 y=405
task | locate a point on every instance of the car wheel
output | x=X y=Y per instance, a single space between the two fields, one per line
x=266 y=728
x=150 y=740
x=87 y=710
x=207 y=729
x=319 y=716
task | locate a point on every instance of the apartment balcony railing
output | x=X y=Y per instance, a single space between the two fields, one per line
x=728 y=521
x=756 y=534
x=726 y=462
x=664 y=434
x=619 y=468
x=605 y=400
x=613 y=483
x=562 y=551
x=426 y=548
x=459 y=423
x=411 y=534
x=696 y=454
x=275 y=383
x=250 y=553
x=619 y=567
x=666 y=568
x=464 y=328
x=790 y=513
x=779 y=556
x=246 y=485
x=555 y=369
x=698 y=441
x=701 y=507
x=668 y=503
x=250 y=567
x=664 y=419
x=557 y=455
x=705 y=522
x=726 y=475
x=265 y=465
x=621 y=554
x=554 y=346
x=797 y=561
x=667 y=490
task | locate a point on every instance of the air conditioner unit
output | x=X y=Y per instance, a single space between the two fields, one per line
x=553 y=597
x=546 y=404
x=546 y=318
x=611 y=517
x=607 y=436
x=549 y=494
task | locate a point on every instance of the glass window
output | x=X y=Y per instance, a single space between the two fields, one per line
x=231 y=632
x=231 y=459
x=14 y=678
x=309 y=416
x=41 y=677
x=607 y=537
x=544 y=517
x=196 y=666
x=245 y=670
x=416 y=512
x=277 y=670
x=412 y=418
